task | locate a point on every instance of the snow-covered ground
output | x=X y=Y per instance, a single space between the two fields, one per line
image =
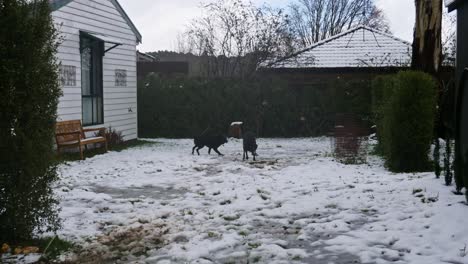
x=160 y=204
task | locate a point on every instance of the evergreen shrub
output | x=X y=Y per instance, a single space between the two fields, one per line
x=406 y=120
x=29 y=93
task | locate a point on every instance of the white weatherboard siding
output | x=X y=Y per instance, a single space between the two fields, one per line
x=358 y=47
x=120 y=103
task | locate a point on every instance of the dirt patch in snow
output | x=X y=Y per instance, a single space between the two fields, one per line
x=154 y=192
x=121 y=244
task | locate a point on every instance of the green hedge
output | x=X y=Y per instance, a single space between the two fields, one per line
x=29 y=96
x=404 y=108
x=184 y=107
x=382 y=89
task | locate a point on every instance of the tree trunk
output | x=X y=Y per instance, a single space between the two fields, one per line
x=427 y=44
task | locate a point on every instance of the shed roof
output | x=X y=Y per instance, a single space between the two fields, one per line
x=359 y=47
x=57 y=4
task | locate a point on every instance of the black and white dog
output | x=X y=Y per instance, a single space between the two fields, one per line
x=212 y=142
x=250 y=145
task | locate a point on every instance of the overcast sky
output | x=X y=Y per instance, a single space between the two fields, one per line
x=160 y=21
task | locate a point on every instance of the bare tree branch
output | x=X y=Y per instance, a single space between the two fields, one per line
x=235 y=37
x=315 y=20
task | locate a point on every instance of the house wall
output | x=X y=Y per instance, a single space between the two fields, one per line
x=120 y=103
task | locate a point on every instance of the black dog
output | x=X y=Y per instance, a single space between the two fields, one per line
x=250 y=144
x=212 y=142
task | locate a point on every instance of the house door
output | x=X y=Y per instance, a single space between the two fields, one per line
x=92 y=51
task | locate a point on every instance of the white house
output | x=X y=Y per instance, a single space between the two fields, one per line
x=98 y=59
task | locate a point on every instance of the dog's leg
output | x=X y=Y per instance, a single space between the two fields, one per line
x=219 y=153
x=253 y=154
x=243 y=155
x=209 y=151
x=247 y=155
x=193 y=149
x=198 y=150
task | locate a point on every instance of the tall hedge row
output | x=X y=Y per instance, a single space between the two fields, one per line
x=184 y=107
x=29 y=93
x=404 y=108
x=382 y=89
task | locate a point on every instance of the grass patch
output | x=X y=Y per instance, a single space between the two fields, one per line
x=212 y=235
x=256 y=259
x=243 y=233
x=231 y=217
x=254 y=245
x=368 y=211
x=75 y=156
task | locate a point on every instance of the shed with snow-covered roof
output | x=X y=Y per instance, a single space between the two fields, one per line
x=98 y=64
x=360 y=47
x=355 y=57
x=335 y=75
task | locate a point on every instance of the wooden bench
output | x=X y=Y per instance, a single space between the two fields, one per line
x=70 y=134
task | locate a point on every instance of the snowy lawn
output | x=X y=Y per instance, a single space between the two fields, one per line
x=159 y=204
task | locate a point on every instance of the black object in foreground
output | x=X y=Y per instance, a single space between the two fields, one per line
x=212 y=142
x=250 y=145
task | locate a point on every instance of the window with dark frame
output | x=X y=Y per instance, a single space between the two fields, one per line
x=92 y=51
x=120 y=77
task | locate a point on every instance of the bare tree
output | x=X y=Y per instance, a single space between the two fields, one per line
x=427 y=43
x=315 y=20
x=234 y=38
x=449 y=38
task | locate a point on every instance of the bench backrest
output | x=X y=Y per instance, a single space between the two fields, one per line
x=67 y=127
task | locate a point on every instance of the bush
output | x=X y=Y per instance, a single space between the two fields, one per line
x=184 y=107
x=28 y=101
x=114 y=137
x=382 y=90
x=406 y=121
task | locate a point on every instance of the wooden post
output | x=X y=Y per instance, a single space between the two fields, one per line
x=81 y=152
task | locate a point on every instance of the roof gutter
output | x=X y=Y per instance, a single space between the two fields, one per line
x=453 y=4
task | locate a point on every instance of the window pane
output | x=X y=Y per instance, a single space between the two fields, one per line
x=97 y=68
x=87 y=110
x=97 y=106
x=86 y=62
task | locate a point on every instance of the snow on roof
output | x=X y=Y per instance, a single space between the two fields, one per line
x=237 y=123
x=358 y=47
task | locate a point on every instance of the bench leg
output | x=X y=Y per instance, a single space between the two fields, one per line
x=81 y=152
x=105 y=143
